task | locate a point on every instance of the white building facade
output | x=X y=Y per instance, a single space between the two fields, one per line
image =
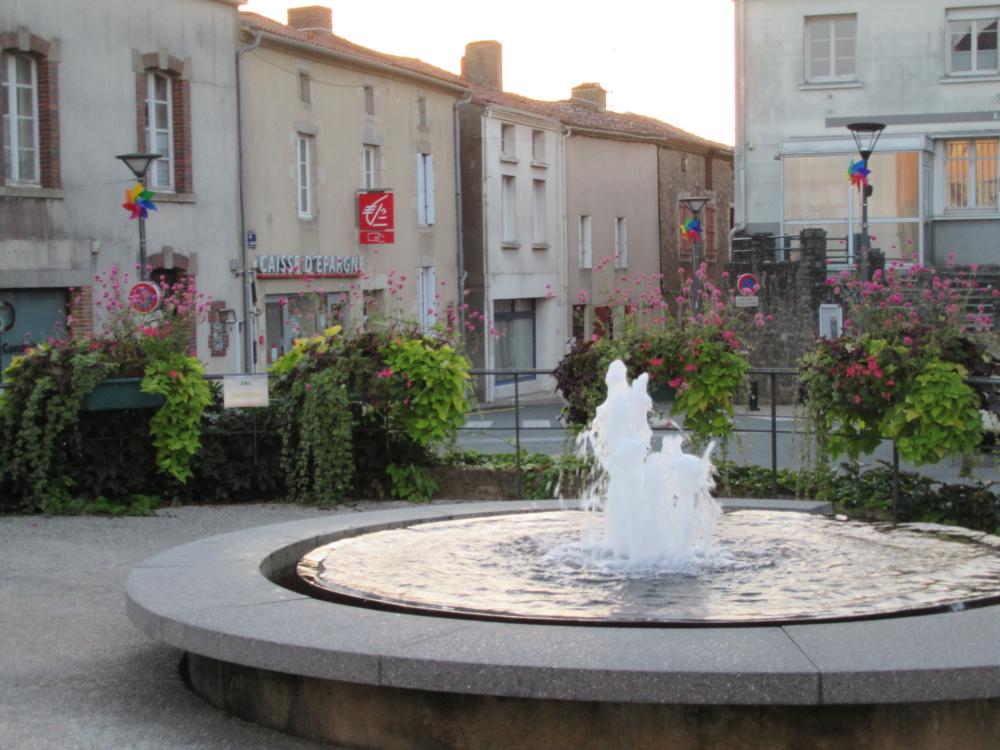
x=80 y=88
x=331 y=128
x=928 y=71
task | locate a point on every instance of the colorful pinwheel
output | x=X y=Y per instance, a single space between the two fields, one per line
x=858 y=174
x=691 y=229
x=139 y=201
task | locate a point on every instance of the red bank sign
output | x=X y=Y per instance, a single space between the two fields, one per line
x=375 y=217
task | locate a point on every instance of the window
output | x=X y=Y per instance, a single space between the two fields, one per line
x=586 y=242
x=507 y=141
x=514 y=319
x=427 y=293
x=19 y=74
x=710 y=254
x=163 y=120
x=425 y=189
x=538 y=212
x=971 y=173
x=293 y=316
x=303 y=173
x=972 y=41
x=830 y=48
x=818 y=195
x=621 y=242
x=708 y=171
x=508 y=209
x=422 y=112
x=538 y=146
x=305 y=87
x=369 y=169
x=369 y=100
x=160 y=131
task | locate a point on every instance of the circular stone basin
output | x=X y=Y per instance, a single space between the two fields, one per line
x=767 y=567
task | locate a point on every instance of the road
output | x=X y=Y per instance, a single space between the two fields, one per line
x=542 y=431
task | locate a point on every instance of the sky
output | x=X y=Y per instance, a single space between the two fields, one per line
x=669 y=59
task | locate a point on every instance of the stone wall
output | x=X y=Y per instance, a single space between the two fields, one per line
x=792 y=291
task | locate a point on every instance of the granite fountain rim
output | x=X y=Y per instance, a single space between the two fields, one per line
x=213 y=597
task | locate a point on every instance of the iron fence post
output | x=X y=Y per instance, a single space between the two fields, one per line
x=517 y=435
x=774 y=433
x=895 y=483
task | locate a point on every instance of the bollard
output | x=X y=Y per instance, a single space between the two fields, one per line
x=754 y=393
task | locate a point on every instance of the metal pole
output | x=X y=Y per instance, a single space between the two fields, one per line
x=695 y=281
x=774 y=435
x=517 y=435
x=863 y=260
x=895 y=483
x=142 y=249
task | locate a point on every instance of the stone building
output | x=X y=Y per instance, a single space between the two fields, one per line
x=349 y=181
x=80 y=88
x=562 y=200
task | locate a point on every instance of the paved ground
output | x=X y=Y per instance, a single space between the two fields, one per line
x=74 y=672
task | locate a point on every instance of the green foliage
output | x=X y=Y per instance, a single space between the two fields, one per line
x=39 y=416
x=707 y=401
x=316 y=438
x=429 y=383
x=937 y=417
x=409 y=482
x=176 y=426
x=136 y=505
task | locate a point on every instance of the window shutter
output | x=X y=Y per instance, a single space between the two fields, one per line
x=421 y=195
x=429 y=187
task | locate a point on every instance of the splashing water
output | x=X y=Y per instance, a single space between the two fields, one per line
x=658 y=510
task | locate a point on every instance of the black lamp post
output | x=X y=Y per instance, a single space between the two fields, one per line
x=139 y=164
x=694 y=205
x=866 y=135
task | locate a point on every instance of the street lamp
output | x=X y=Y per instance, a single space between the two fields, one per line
x=694 y=205
x=139 y=164
x=866 y=135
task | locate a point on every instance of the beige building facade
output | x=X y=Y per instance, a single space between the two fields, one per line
x=328 y=129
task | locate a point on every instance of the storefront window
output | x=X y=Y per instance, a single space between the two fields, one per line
x=818 y=194
x=37 y=315
x=293 y=316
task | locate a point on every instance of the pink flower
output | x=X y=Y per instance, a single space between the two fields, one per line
x=676 y=382
x=172 y=374
x=655 y=362
x=309 y=386
x=690 y=367
x=386 y=373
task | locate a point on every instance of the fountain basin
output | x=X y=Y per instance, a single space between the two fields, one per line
x=363 y=677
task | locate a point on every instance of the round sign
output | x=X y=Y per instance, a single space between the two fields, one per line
x=747 y=284
x=144 y=296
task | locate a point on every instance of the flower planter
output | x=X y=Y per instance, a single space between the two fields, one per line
x=121 y=393
x=662 y=393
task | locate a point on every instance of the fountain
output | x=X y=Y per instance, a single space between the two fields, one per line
x=655 y=621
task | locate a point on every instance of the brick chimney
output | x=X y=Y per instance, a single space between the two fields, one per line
x=483 y=63
x=311 y=18
x=590 y=95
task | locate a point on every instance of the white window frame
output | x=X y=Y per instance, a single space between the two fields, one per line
x=425 y=189
x=12 y=145
x=971 y=166
x=976 y=16
x=539 y=233
x=538 y=146
x=508 y=149
x=585 y=240
x=155 y=128
x=508 y=209
x=303 y=176
x=811 y=23
x=427 y=297
x=621 y=242
x=369 y=166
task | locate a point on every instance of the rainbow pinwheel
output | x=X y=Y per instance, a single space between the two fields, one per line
x=691 y=229
x=858 y=174
x=139 y=201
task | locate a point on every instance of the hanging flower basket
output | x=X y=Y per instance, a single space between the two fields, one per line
x=121 y=393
